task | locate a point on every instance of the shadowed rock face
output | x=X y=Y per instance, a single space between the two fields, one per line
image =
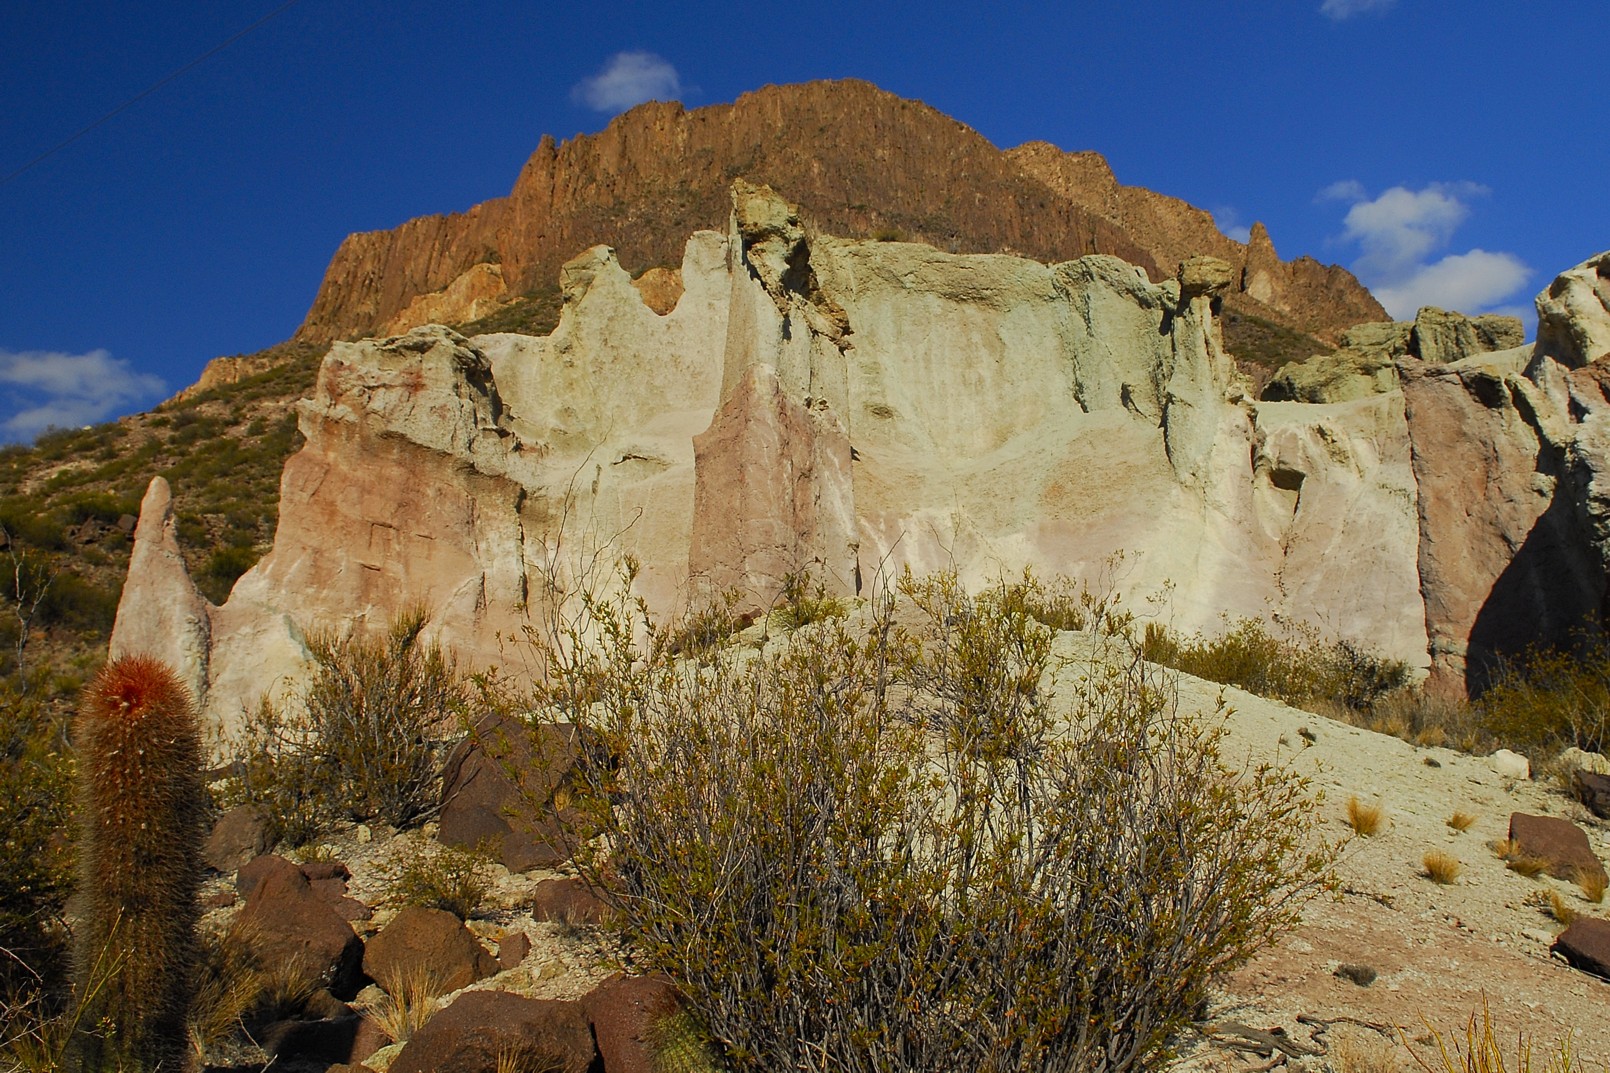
x=858 y=159
x=842 y=408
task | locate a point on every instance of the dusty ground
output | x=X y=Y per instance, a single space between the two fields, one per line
x=1440 y=952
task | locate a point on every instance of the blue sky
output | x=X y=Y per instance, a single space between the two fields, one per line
x=1452 y=153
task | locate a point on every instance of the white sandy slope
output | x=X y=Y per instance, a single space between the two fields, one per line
x=1441 y=952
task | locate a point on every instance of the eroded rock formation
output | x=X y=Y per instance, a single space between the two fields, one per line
x=790 y=403
x=816 y=405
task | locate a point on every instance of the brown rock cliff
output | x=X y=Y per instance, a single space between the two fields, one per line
x=859 y=160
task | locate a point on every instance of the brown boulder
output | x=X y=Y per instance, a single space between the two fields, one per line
x=286 y=924
x=567 y=901
x=1586 y=945
x=240 y=835
x=623 y=1011
x=1593 y=790
x=481 y=805
x=429 y=942
x=513 y=948
x=330 y=1039
x=1558 y=841
x=480 y=1026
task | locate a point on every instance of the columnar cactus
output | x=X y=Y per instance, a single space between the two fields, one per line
x=140 y=830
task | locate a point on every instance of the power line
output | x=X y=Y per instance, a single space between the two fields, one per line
x=143 y=94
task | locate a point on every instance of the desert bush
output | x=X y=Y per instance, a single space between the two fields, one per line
x=1550 y=699
x=1441 y=867
x=804 y=600
x=1297 y=668
x=443 y=877
x=1461 y=820
x=35 y=859
x=361 y=741
x=865 y=848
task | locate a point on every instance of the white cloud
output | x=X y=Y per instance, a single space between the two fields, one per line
x=1399 y=232
x=1346 y=9
x=1228 y=221
x=50 y=389
x=628 y=78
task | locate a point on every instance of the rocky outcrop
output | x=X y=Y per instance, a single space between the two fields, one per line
x=1573 y=315
x=860 y=160
x=474 y=294
x=1366 y=362
x=1510 y=455
x=822 y=407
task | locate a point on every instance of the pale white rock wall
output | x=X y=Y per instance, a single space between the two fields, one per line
x=820 y=406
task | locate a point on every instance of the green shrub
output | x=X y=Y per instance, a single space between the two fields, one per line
x=35 y=859
x=361 y=741
x=804 y=600
x=867 y=849
x=1551 y=699
x=440 y=877
x=1298 y=668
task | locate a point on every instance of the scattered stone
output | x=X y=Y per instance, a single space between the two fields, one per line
x=1362 y=975
x=1574 y=758
x=320 y=871
x=1593 y=790
x=286 y=924
x=221 y=899
x=1559 y=842
x=513 y=948
x=241 y=834
x=1586 y=945
x=551 y=969
x=471 y=1035
x=1511 y=765
x=623 y=1011
x=432 y=943
x=567 y=901
x=363 y=834
x=481 y=804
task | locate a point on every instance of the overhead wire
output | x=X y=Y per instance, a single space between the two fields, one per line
x=143 y=94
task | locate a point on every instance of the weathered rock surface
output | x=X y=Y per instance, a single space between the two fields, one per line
x=842 y=409
x=429 y=944
x=483 y=806
x=484 y=1031
x=471 y=296
x=1586 y=945
x=161 y=612
x=1366 y=362
x=289 y=925
x=239 y=836
x=1557 y=841
x=1573 y=315
x=857 y=158
x=623 y=1011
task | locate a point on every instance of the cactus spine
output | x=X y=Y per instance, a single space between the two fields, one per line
x=141 y=810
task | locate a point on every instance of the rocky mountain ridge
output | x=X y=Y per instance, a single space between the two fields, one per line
x=860 y=161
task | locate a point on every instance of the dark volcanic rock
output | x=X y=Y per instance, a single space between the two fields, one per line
x=1586 y=945
x=1558 y=841
x=286 y=924
x=429 y=942
x=471 y=1034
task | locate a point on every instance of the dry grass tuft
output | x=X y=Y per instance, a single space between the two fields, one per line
x=1365 y=820
x=1481 y=1052
x=1555 y=906
x=1592 y=884
x=410 y=1001
x=1462 y=821
x=1441 y=868
x=1518 y=860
